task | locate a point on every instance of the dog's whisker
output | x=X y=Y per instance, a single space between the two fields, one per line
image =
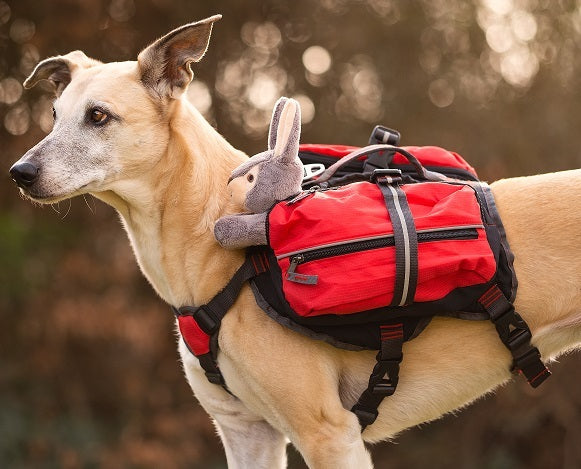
x=68 y=209
x=92 y=209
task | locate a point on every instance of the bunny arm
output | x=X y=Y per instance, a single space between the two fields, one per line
x=241 y=230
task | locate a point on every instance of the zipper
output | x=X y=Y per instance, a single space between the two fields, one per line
x=304 y=194
x=367 y=244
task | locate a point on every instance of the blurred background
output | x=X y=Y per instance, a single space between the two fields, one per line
x=89 y=373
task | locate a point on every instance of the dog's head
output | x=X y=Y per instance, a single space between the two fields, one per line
x=107 y=116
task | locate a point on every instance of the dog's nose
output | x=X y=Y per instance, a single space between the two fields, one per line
x=24 y=174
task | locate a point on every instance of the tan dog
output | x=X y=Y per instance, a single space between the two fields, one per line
x=125 y=133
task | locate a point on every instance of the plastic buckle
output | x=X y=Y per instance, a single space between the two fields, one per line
x=385 y=135
x=205 y=320
x=389 y=176
x=385 y=388
x=530 y=365
x=530 y=358
x=502 y=322
x=517 y=338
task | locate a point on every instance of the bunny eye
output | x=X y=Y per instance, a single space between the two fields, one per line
x=250 y=177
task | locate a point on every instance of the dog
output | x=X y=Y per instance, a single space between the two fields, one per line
x=125 y=133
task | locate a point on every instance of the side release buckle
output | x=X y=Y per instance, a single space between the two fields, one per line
x=204 y=318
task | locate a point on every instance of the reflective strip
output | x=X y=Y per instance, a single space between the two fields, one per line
x=406 y=246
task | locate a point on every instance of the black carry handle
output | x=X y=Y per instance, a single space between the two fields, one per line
x=419 y=169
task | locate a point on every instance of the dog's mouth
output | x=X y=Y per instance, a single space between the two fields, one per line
x=40 y=196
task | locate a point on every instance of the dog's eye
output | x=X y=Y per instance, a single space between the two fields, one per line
x=250 y=177
x=53 y=114
x=98 y=116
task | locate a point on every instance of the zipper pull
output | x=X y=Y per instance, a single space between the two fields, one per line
x=303 y=195
x=293 y=276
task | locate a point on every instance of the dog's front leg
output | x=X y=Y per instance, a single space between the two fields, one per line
x=249 y=441
x=293 y=383
x=331 y=439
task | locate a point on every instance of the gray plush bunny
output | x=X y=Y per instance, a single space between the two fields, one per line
x=264 y=179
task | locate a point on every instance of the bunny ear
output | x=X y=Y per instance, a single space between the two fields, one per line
x=288 y=132
x=274 y=122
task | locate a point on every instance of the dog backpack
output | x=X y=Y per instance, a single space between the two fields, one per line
x=367 y=264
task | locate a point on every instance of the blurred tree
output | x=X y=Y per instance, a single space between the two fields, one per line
x=88 y=374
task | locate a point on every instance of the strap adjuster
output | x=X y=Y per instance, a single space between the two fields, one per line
x=388 y=175
x=530 y=365
x=384 y=388
x=204 y=318
x=215 y=378
x=390 y=376
x=518 y=338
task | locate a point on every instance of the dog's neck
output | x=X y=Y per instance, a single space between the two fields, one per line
x=169 y=212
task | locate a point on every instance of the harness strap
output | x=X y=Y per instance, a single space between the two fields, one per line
x=384 y=377
x=515 y=335
x=199 y=326
x=404 y=233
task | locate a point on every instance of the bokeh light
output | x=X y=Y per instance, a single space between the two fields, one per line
x=10 y=90
x=317 y=60
x=17 y=120
x=22 y=30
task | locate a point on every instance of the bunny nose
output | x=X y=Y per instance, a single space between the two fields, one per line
x=24 y=174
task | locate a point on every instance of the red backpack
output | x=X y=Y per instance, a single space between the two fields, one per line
x=367 y=264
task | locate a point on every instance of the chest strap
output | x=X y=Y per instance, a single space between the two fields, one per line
x=199 y=326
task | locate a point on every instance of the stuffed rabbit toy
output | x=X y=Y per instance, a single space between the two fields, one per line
x=263 y=180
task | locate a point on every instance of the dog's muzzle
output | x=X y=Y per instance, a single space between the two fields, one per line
x=24 y=174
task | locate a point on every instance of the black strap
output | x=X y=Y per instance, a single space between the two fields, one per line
x=384 y=377
x=515 y=335
x=404 y=233
x=209 y=316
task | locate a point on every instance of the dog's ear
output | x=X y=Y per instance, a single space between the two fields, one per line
x=59 y=70
x=288 y=132
x=275 y=119
x=165 y=64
